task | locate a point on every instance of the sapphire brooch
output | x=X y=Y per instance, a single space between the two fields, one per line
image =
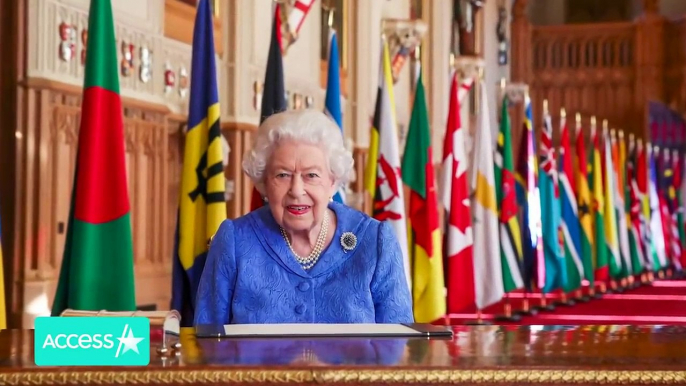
x=348 y=241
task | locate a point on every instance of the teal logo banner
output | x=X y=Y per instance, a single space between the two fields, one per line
x=84 y=341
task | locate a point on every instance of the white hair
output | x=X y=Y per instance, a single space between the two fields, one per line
x=308 y=126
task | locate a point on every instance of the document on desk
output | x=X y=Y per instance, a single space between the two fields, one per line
x=322 y=330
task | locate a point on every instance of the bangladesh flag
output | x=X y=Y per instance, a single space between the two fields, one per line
x=97 y=267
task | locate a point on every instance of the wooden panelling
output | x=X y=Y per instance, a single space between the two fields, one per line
x=609 y=70
x=154 y=143
x=179 y=19
x=239 y=137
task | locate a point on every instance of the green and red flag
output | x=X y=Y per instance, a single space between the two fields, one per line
x=425 y=248
x=97 y=267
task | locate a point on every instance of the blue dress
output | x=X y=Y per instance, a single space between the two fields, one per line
x=251 y=276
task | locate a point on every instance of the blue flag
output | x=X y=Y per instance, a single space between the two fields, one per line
x=332 y=103
x=551 y=217
x=202 y=205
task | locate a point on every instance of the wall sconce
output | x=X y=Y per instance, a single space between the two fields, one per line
x=403 y=36
x=516 y=92
x=297 y=101
x=468 y=66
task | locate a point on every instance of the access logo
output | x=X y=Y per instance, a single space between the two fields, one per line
x=92 y=341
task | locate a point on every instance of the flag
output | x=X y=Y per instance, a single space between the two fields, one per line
x=487 y=264
x=506 y=196
x=670 y=207
x=384 y=162
x=600 y=264
x=529 y=202
x=3 y=308
x=332 y=101
x=555 y=267
x=642 y=183
x=584 y=202
x=570 y=215
x=97 y=266
x=274 y=91
x=674 y=206
x=656 y=231
x=428 y=290
x=202 y=205
x=679 y=186
x=635 y=210
x=619 y=161
x=610 y=214
x=454 y=193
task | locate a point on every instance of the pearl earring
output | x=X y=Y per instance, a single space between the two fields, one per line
x=330 y=199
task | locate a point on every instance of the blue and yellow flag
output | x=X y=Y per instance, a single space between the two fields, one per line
x=202 y=205
x=3 y=309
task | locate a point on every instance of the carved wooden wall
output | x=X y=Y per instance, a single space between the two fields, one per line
x=50 y=140
x=154 y=148
x=586 y=70
x=610 y=70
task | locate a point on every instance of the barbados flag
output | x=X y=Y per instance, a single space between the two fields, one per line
x=332 y=103
x=202 y=206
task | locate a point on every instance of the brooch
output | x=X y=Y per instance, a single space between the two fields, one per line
x=348 y=241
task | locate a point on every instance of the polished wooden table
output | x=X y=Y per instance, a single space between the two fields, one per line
x=496 y=355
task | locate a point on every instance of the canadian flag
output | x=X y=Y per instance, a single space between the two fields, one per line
x=454 y=196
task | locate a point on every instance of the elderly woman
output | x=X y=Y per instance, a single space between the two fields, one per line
x=302 y=258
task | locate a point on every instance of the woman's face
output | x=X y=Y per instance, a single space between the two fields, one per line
x=298 y=185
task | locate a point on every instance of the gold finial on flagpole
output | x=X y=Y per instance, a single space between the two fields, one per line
x=593 y=120
x=545 y=106
x=563 y=113
x=578 y=119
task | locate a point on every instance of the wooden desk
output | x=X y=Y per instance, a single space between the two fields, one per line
x=485 y=355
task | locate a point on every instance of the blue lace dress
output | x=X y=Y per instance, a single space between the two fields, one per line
x=251 y=276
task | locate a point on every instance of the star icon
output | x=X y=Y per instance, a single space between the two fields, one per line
x=129 y=341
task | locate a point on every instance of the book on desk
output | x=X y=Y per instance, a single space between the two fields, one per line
x=327 y=330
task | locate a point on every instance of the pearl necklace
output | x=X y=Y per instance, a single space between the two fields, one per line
x=309 y=261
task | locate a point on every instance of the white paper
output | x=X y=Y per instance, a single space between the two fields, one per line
x=318 y=329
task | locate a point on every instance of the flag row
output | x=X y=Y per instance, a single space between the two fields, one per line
x=582 y=214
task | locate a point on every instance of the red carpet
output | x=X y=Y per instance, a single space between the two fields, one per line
x=660 y=302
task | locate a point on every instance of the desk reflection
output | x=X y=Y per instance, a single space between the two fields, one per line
x=321 y=351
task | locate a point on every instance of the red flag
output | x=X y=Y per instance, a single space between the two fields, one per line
x=455 y=200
